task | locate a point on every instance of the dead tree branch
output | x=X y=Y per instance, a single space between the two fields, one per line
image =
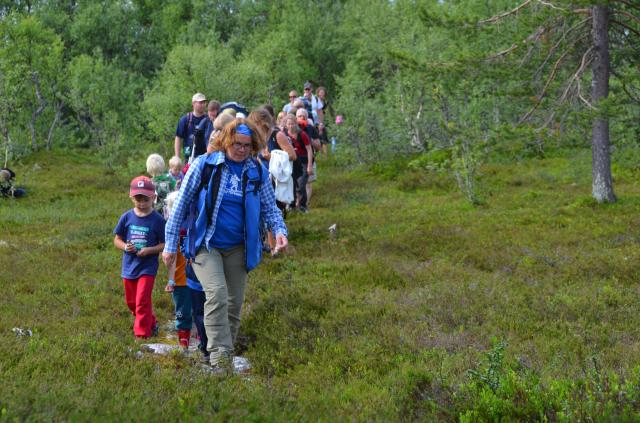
x=628 y=3
x=557 y=44
x=586 y=59
x=625 y=14
x=544 y=89
x=581 y=97
x=551 y=5
x=496 y=18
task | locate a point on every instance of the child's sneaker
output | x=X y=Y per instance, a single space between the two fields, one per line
x=183 y=337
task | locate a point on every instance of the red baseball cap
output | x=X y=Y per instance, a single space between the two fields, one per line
x=141 y=185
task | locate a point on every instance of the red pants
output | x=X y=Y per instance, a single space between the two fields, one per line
x=137 y=294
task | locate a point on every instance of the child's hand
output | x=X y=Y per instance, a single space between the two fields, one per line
x=142 y=252
x=170 y=286
x=129 y=247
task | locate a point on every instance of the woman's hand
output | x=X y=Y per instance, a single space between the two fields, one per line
x=168 y=258
x=281 y=244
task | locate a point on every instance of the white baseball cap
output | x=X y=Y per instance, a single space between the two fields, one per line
x=198 y=97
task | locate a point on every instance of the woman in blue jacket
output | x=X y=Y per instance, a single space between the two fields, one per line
x=224 y=239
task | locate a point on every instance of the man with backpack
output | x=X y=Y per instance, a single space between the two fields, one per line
x=185 y=132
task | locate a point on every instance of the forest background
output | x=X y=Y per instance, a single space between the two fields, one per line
x=496 y=318
x=455 y=80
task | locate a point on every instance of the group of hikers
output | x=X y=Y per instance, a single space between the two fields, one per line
x=212 y=219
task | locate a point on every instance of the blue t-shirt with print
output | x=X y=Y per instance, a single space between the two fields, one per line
x=230 y=222
x=186 y=129
x=147 y=231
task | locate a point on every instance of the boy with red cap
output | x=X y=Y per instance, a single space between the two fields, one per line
x=140 y=235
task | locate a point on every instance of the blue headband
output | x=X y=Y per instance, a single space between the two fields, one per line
x=244 y=130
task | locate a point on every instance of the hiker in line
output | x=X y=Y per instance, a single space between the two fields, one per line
x=207 y=123
x=162 y=181
x=311 y=101
x=307 y=126
x=323 y=119
x=262 y=118
x=233 y=198
x=177 y=286
x=187 y=124
x=175 y=170
x=140 y=235
x=221 y=121
x=7 y=187
x=322 y=104
x=302 y=166
x=293 y=96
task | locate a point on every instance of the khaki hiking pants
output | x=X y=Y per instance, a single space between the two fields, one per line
x=223 y=276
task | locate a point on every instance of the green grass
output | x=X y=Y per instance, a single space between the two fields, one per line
x=421 y=308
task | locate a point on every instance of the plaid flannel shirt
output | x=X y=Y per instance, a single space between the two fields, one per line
x=269 y=212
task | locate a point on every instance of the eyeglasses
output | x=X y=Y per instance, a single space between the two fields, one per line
x=292 y=96
x=241 y=145
x=307 y=89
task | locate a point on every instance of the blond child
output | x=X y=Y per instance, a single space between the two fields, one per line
x=162 y=181
x=175 y=170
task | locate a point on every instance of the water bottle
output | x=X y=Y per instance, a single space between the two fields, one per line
x=333 y=144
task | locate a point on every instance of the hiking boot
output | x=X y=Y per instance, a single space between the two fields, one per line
x=303 y=209
x=224 y=364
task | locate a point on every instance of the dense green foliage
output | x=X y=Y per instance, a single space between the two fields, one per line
x=408 y=75
x=522 y=309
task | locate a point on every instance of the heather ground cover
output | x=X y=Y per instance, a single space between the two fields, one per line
x=420 y=308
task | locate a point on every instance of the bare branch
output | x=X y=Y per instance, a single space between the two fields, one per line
x=551 y=5
x=496 y=18
x=626 y=14
x=544 y=89
x=502 y=53
x=628 y=3
x=557 y=44
x=547 y=121
x=586 y=59
x=584 y=100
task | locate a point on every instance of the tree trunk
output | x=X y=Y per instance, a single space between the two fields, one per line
x=602 y=185
x=37 y=112
x=56 y=118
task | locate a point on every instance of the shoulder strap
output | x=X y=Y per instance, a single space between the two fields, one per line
x=245 y=179
x=212 y=185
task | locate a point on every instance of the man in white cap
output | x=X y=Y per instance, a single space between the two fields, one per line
x=187 y=125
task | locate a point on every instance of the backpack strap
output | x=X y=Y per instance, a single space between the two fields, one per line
x=210 y=182
x=245 y=179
